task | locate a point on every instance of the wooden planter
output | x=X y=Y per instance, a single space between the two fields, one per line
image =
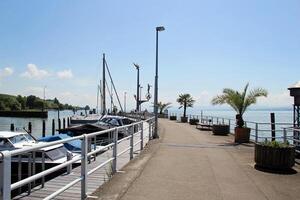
x=184 y=119
x=173 y=118
x=162 y=115
x=274 y=158
x=194 y=121
x=241 y=135
x=220 y=129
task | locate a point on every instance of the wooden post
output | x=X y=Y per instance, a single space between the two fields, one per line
x=273 y=126
x=12 y=127
x=44 y=129
x=53 y=126
x=29 y=127
x=64 y=123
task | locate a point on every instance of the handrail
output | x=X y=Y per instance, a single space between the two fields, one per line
x=134 y=129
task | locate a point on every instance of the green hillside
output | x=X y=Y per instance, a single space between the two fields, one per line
x=13 y=103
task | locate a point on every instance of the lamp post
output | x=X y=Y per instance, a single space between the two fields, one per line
x=155 y=134
x=138 y=87
x=140 y=99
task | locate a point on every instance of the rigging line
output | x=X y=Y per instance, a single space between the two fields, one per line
x=109 y=92
x=113 y=86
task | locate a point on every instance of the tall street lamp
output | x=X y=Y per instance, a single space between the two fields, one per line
x=137 y=87
x=155 y=134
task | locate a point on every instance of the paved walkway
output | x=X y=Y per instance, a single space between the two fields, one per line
x=192 y=164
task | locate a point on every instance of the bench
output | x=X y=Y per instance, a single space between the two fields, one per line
x=205 y=124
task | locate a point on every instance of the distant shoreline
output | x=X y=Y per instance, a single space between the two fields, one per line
x=25 y=114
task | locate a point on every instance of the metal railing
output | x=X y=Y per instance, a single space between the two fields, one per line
x=132 y=130
x=259 y=130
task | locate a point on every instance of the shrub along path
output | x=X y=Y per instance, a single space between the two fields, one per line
x=186 y=163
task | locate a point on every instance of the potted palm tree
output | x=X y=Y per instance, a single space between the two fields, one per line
x=185 y=101
x=240 y=101
x=163 y=107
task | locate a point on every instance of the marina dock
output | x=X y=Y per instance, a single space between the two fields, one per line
x=98 y=169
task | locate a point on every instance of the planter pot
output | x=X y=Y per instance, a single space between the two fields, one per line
x=194 y=121
x=162 y=115
x=274 y=158
x=220 y=129
x=173 y=118
x=242 y=135
x=184 y=119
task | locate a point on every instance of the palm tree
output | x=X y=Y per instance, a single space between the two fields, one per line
x=163 y=106
x=185 y=100
x=239 y=101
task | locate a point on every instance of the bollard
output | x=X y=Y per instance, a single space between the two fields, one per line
x=53 y=126
x=12 y=127
x=29 y=127
x=59 y=124
x=273 y=126
x=44 y=129
x=64 y=123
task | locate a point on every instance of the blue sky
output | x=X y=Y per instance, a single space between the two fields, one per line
x=207 y=45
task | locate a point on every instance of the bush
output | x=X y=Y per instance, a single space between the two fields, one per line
x=276 y=144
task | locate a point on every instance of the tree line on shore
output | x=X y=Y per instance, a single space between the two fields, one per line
x=31 y=102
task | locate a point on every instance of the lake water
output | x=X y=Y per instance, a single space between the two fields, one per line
x=261 y=116
x=20 y=123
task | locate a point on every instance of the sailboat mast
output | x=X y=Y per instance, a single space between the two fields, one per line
x=103 y=88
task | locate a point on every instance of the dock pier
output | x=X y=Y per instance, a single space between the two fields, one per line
x=96 y=165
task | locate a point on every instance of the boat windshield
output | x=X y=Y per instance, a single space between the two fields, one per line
x=21 y=138
x=57 y=153
x=4 y=143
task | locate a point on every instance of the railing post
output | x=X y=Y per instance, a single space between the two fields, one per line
x=43 y=168
x=84 y=151
x=131 y=142
x=5 y=167
x=115 y=151
x=149 y=129
x=142 y=136
x=29 y=172
x=284 y=135
x=69 y=157
x=256 y=132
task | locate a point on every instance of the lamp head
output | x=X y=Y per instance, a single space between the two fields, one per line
x=160 y=28
x=136 y=66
